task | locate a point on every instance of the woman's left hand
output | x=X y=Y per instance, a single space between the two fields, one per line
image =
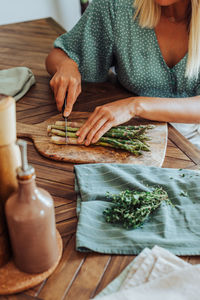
x=104 y=117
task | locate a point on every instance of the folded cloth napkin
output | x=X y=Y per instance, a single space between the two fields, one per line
x=174 y=228
x=155 y=273
x=16 y=82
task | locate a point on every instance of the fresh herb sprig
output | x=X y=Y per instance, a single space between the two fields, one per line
x=131 y=209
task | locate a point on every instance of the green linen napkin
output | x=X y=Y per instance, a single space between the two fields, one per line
x=16 y=82
x=174 y=228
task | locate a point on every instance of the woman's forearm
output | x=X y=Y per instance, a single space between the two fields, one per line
x=56 y=59
x=179 y=110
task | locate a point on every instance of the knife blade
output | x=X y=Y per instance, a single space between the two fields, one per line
x=65 y=118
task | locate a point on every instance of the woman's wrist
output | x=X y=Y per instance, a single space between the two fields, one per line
x=135 y=106
x=66 y=63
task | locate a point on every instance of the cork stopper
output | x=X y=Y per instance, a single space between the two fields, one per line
x=26 y=171
x=7 y=120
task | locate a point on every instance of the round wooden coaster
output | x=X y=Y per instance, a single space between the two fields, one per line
x=12 y=280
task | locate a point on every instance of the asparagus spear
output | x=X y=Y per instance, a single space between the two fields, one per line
x=62 y=133
x=128 y=130
x=134 y=127
x=122 y=144
x=70 y=124
x=124 y=133
x=129 y=138
x=116 y=144
x=102 y=142
x=55 y=139
x=135 y=143
x=116 y=132
x=61 y=127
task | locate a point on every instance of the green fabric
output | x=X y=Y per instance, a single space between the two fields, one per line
x=16 y=82
x=107 y=35
x=174 y=228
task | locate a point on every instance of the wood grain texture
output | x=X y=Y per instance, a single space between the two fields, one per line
x=27 y=44
x=65 y=274
x=187 y=148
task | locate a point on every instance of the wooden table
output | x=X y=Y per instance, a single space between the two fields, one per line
x=79 y=276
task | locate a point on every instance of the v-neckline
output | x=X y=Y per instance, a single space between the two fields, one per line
x=161 y=56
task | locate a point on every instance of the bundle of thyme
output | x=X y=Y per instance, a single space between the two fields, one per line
x=131 y=209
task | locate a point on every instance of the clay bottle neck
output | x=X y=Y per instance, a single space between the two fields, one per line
x=27 y=189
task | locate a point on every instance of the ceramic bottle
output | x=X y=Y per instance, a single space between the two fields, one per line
x=31 y=221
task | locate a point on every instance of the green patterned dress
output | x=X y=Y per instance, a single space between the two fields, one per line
x=107 y=36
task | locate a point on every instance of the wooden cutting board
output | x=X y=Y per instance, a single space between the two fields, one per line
x=95 y=154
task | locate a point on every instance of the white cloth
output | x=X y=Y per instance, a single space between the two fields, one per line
x=157 y=274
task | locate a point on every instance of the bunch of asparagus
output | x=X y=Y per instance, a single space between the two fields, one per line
x=130 y=138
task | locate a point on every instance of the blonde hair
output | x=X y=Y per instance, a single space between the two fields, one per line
x=148 y=13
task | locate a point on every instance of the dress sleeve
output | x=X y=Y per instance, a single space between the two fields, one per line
x=198 y=90
x=90 y=42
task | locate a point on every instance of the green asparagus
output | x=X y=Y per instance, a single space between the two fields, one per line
x=129 y=138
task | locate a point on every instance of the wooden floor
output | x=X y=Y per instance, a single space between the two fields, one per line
x=79 y=275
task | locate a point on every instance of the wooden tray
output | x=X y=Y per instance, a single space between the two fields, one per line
x=12 y=280
x=95 y=154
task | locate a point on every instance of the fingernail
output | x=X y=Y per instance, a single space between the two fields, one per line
x=66 y=113
x=87 y=143
x=93 y=141
x=78 y=132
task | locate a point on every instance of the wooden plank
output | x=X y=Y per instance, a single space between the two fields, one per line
x=60 y=176
x=57 y=27
x=170 y=162
x=59 y=201
x=38 y=26
x=56 y=189
x=88 y=277
x=23 y=107
x=35 y=290
x=60 y=281
x=182 y=143
x=66 y=211
x=22 y=45
x=67 y=227
x=34 y=101
x=34 y=119
x=115 y=267
x=174 y=152
x=194 y=259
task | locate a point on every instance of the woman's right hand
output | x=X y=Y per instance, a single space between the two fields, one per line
x=66 y=79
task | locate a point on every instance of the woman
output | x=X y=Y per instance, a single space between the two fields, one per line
x=155 y=48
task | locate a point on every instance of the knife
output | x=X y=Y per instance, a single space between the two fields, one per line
x=65 y=118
